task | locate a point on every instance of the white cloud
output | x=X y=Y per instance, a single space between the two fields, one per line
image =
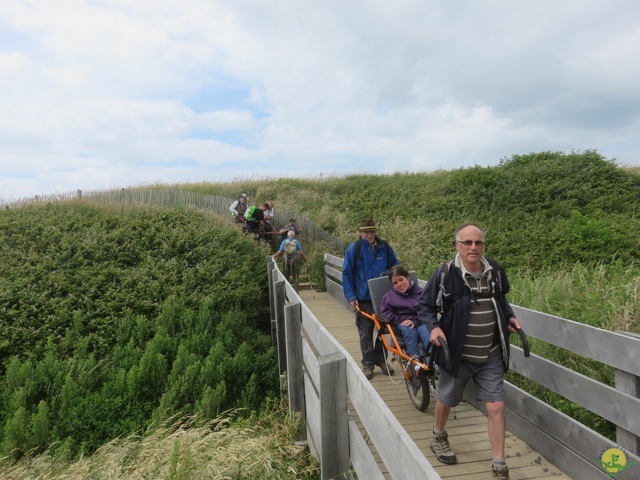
x=113 y=92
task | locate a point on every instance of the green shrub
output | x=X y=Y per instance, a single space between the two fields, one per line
x=123 y=310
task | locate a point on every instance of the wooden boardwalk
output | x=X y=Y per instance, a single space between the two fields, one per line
x=467 y=429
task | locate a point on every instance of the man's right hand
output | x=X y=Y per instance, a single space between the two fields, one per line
x=435 y=334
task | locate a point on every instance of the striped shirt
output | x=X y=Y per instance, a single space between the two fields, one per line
x=480 y=342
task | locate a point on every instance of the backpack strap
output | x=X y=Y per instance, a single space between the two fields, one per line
x=444 y=272
x=358 y=250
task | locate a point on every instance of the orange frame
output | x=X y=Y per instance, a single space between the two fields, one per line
x=395 y=348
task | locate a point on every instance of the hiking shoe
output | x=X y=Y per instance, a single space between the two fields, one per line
x=386 y=369
x=501 y=472
x=440 y=446
x=368 y=372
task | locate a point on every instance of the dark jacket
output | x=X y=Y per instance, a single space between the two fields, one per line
x=398 y=307
x=457 y=307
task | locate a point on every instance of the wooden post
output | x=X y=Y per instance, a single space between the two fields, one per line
x=295 y=375
x=628 y=383
x=279 y=300
x=272 y=310
x=334 y=459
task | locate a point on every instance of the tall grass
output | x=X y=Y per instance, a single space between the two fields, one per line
x=602 y=295
x=263 y=447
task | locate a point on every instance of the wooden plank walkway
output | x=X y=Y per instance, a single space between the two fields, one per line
x=467 y=430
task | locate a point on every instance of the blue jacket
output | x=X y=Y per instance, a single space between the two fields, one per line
x=370 y=264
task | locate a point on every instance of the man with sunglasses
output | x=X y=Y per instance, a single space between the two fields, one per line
x=465 y=303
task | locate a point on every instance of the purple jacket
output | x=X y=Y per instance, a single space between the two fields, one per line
x=398 y=307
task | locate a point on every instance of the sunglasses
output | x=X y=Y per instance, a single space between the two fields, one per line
x=468 y=243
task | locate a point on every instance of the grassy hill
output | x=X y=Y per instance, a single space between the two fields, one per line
x=539 y=209
x=114 y=320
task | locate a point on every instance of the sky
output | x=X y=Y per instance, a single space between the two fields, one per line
x=101 y=94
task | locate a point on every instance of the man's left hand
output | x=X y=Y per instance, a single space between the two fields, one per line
x=514 y=325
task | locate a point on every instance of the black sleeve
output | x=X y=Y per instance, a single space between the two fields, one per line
x=426 y=306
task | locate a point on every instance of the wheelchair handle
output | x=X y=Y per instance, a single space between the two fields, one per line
x=447 y=353
x=525 y=342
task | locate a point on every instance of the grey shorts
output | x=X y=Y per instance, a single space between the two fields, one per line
x=488 y=379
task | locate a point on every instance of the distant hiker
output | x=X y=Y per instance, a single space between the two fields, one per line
x=290 y=227
x=239 y=208
x=366 y=258
x=291 y=252
x=254 y=217
x=290 y=247
x=268 y=213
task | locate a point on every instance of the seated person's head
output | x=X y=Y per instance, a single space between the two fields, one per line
x=291 y=234
x=399 y=278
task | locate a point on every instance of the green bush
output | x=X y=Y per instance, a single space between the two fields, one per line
x=132 y=316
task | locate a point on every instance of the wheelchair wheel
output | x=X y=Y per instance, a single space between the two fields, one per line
x=419 y=388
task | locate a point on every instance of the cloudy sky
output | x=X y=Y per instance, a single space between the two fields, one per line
x=99 y=94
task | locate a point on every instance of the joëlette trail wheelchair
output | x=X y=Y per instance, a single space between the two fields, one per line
x=420 y=374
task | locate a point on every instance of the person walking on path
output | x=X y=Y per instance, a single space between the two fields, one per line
x=465 y=302
x=296 y=243
x=291 y=226
x=366 y=258
x=238 y=208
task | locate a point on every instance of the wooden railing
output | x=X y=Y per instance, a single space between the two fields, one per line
x=320 y=378
x=571 y=446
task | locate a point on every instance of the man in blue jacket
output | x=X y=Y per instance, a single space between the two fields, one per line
x=366 y=258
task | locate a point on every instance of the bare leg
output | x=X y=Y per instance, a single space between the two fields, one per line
x=496 y=427
x=441 y=416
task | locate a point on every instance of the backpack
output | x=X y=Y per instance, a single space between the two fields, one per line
x=290 y=248
x=358 y=249
x=444 y=299
x=250 y=211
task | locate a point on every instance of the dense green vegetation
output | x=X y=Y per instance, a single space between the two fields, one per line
x=115 y=320
x=540 y=210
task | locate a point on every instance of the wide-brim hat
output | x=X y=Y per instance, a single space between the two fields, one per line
x=368 y=225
